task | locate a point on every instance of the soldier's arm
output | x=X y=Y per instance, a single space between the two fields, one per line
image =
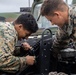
x=60 y=41
x=8 y=62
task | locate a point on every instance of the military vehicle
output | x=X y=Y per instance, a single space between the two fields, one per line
x=73 y=1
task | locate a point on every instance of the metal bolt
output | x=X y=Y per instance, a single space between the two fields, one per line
x=45 y=69
x=45 y=56
x=44 y=49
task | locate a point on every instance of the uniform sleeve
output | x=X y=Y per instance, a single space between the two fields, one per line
x=8 y=62
x=60 y=41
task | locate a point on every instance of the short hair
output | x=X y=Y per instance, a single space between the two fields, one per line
x=49 y=6
x=28 y=22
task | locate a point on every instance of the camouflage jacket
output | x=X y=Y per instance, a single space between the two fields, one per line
x=8 y=39
x=66 y=36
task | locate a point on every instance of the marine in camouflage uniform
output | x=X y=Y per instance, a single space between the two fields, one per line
x=8 y=39
x=66 y=36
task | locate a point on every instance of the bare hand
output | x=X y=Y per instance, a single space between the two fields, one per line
x=26 y=46
x=30 y=60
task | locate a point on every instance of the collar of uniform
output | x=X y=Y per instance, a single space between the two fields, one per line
x=12 y=23
x=68 y=28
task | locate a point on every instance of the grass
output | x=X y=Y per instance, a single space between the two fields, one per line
x=10 y=15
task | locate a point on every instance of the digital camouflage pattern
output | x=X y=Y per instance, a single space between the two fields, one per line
x=66 y=36
x=8 y=39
